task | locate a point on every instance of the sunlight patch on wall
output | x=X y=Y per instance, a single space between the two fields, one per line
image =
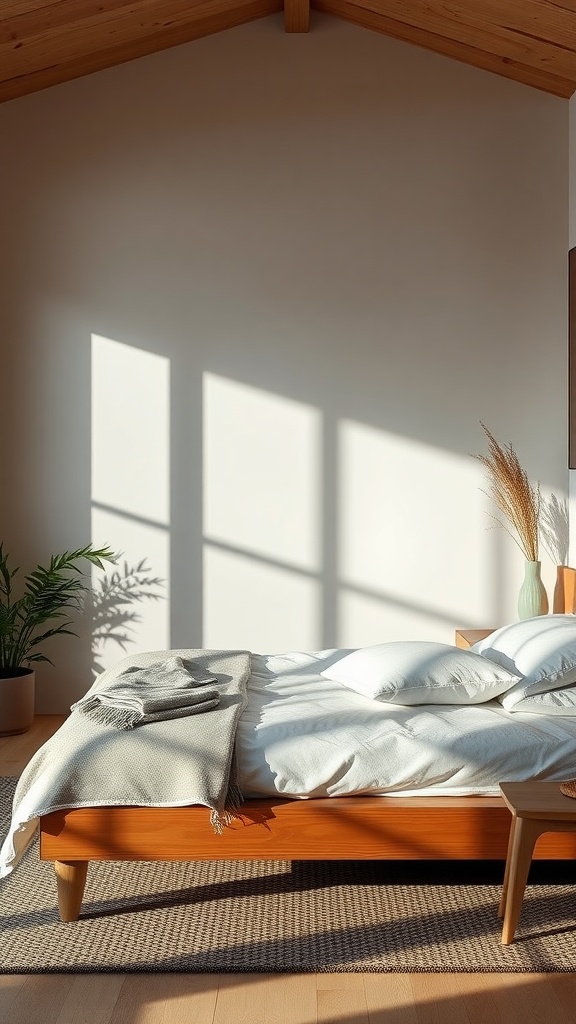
x=130 y=488
x=366 y=620
x=130 y=429
x=261 y=498
x=417 y=581
x=261 y=472
x=259 y=607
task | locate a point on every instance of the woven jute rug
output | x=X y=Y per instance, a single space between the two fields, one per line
x=284 y=916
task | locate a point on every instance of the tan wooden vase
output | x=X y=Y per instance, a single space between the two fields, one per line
x=17 y=702
x=564 y=590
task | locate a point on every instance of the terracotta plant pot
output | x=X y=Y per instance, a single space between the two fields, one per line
x=17 y=702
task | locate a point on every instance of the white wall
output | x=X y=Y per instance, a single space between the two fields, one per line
x=259 y=292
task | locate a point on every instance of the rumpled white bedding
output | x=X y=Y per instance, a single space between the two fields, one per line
x=302 y=735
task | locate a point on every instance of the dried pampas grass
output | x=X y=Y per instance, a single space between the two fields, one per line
x=512 y=492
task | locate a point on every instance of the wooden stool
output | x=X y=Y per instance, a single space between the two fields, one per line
x=536 y=807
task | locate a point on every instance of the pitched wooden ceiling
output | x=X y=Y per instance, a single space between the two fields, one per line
x=44 y=42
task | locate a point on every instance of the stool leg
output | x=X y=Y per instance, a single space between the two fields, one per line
x=525 y=834
x=504 y=896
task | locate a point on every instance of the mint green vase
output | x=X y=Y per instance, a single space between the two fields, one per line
x=532 y=599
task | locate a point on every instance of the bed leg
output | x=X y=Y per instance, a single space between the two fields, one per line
x=70 y=879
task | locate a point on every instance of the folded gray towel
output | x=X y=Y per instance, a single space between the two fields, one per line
x=169 y=688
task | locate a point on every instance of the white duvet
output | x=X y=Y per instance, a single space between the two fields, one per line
x=302 y=735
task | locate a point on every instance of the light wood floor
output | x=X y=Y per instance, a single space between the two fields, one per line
x=273 y=998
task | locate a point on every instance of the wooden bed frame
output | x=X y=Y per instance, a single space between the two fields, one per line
x=346 y=828
x=352 y=828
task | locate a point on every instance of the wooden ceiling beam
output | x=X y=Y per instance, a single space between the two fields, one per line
x=119 y=34
x=296 y=15
x=362 y=13
x=529 y=32
x=70 y=65
x=45 y=42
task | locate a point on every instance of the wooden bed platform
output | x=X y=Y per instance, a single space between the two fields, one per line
x=343 y=828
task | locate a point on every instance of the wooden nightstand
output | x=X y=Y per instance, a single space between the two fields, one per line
x=466 y=637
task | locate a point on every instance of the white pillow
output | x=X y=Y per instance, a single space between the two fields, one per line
x=553 y=702
x=541 y=650
x=421 y=672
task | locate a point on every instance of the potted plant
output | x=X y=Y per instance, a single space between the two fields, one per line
x=49 y=597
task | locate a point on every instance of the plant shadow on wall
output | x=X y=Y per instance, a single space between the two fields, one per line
x=554 y=528
x=111 y=606
x=554 y=531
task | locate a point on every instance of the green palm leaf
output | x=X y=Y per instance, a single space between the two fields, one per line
x=50 y=593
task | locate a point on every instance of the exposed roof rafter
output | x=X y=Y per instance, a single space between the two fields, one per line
x=45 y=42
x=296 y=15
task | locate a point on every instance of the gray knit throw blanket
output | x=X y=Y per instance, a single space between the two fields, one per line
x=171 y=687
x=185 y=760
